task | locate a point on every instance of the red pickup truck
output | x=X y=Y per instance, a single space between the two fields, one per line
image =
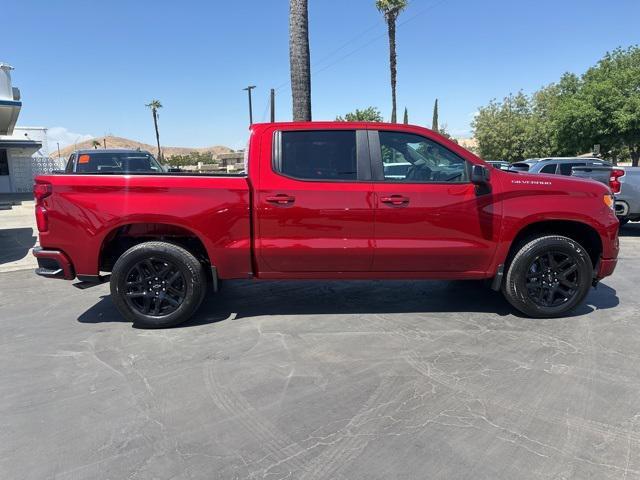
x=328 y=200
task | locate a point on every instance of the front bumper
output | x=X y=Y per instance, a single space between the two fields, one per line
x=53 y=264
x=606 y=267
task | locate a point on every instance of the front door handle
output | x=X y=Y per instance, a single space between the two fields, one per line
x=396 y=200
x=281 y=199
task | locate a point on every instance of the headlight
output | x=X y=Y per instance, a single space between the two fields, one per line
x=609 y=201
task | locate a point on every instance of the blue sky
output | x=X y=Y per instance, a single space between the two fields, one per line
x=89 y=67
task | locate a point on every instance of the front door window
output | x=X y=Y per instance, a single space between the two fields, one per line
x=410 y=158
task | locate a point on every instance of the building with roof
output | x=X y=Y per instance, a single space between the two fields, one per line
x=24 y=151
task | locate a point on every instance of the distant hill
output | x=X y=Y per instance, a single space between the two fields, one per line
x=119 y=142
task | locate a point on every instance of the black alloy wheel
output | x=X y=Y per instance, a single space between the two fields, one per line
x=158 y=284
x=548 y=276
x=552 y=279
x=155 y=287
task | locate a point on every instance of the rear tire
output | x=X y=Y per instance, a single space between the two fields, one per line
x=548 y=277
x=157 y=284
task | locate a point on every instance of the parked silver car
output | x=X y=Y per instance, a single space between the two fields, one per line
x=628 y=197
x=624 y=183
x=556 y=165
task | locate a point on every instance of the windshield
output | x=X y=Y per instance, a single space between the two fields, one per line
x=117 y=162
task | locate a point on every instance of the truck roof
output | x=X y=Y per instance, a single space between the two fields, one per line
x=338 y=124
x=563 y=159
x=109 y=150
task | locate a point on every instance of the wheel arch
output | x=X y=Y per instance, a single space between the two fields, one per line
x=122 y=237
x=580 y=232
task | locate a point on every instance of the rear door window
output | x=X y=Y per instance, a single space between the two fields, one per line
x=318 y=155
x=565 y=168
x=551 y=168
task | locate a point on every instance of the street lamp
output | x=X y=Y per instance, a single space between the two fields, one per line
x=248 y=89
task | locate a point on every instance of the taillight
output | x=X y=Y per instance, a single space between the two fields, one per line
x=41 y=191
x=42 y=219
x=614 y=180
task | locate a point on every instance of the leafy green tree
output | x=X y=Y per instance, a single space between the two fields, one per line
x=601 y=107
x=604 y=108
x=192 y=158
x=504 y=129
x=369 y=114
x=391 y=9
x=444 y=131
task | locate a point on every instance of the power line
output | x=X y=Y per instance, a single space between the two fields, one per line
x=336 y=50
x=374 y=39
x=264 y=113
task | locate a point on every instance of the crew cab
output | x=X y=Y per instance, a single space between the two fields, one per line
x=323 y=200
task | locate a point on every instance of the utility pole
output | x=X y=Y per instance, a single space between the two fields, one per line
x=248 y=89
x=273 y=105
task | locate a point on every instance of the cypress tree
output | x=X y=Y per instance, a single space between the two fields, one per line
x=434 y=123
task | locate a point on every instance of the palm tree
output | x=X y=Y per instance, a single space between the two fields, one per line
x=95 y=143
x=299 y=60
x=391 y=9
x=154 y=105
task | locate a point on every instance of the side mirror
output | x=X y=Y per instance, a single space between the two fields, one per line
x=480 y=175
x=480 y=178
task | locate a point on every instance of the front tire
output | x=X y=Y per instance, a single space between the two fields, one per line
x=157 y=284
x=548 y=277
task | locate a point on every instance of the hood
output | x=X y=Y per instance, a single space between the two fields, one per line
x=543 y=181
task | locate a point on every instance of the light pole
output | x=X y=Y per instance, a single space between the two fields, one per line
x=273 y=105
x=248 y=89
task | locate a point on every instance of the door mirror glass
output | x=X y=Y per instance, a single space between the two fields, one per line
x=479 y=175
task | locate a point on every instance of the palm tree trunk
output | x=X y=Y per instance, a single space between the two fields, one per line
x=391 y=26
x=299 y=59
x=155 y=124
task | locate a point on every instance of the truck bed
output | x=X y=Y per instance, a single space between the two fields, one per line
x=85 y=210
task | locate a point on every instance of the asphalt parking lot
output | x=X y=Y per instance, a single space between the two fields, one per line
x=321 y=380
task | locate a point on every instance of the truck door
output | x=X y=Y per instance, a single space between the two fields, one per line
x=314 y=202
x=429 y=217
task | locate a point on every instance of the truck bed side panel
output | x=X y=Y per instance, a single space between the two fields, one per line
x=84 y=209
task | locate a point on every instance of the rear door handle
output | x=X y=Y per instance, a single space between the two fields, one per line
x=281 y=199
x=396 y=200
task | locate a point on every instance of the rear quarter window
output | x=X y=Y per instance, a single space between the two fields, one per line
x=318 y=155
